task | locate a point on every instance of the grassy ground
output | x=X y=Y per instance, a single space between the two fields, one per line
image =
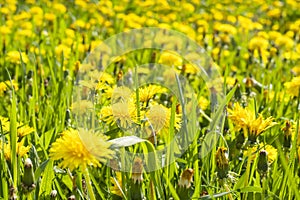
x=44 y=154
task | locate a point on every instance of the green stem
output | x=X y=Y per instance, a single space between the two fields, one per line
x=89 y=185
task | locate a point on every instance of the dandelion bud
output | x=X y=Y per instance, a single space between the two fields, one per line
x=12 y=193
x=137 y=171
x=222 y=162
x=28 y=179
x=137 y=178
x=53 y=194
x=186 y=178
x=240 y=139
x=262 y=164
x=287 y=138
x=184 y=184
x=72 y=197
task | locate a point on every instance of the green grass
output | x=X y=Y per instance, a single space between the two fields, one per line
x=46 y=83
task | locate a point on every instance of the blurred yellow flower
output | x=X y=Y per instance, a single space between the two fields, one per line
x=293 y=86
x=15 y=57
x=159 y=119
x=4 y=86
x=170 y=59
x=259 y=43
x=80 y=148
x=5 y=124
x=82 y=107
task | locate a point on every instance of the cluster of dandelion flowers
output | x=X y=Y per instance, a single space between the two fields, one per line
x=80 y=148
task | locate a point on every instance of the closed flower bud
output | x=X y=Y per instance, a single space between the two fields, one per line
x=137 y=171
x=184 y=184
x=222 y=162
x=28 y=179
x=53 y=194
x=186 y=178
x=137 y=178
x=262 y=164
x=72 y=197
x=287 y=138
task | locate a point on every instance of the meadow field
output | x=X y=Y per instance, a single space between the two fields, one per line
x=149 y=99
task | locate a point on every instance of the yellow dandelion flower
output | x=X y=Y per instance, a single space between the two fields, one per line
x=190 y=69
x=116 y=188
x=170 y=59
x=5 y=85
x=81 y=107
x=50 y=16
x=149 y=92
x=284 y=41
x=80 y=148
x=240 y=116
x=122 y=94
x=59 y=8
x=62 y=50
x=259 y=43
x=24 y=130
x=259 y=125
x=253 y=126
x=122 y=113
x=159 y=118
x=253 y=152
x=21 y=149
x=293 y=87
x=5 y=124
x=105 y=80
x=15 y=57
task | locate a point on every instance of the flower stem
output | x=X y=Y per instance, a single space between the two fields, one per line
x=89 y=185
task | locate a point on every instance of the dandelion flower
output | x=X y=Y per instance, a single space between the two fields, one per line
x=293 y=87
x=21 y=149
x=253 y=126
x=240 y=116
x=81 y=107
x=15 y=57
x=117 y=184
x=170 y=59
x=259 y=43
x=80 y=149
x=149 y=92
x=105 y=80
x=5 y=124
x=271 y=151
x=122 y=94
x=24 y=130
x=159 y=118
x=4 y=86
x=259 y=125
x=124 y=113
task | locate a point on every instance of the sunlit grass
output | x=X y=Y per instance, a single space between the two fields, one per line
x=255 y=45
